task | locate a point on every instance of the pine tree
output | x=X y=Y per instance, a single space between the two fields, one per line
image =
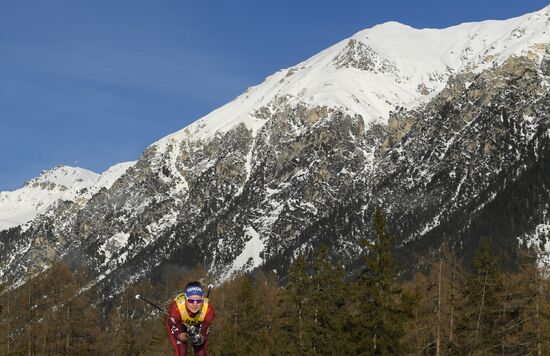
x=433 y=326
x=221 y=337
x=481 y=313
x=68 y=321
x=157 y=337
x=244 y=326
x=7 y=315
x=329 y=297
x=382 y=307
x=529 y=331
x=295 y=327
x=251 y=332
x=268 y=294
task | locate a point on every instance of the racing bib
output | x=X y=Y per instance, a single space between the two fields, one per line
x=186 y=318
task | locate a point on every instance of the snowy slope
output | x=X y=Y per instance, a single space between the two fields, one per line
x=59 y=183
x=380 y=68
x=371 y=73
x=107 y=179
x=233 y=197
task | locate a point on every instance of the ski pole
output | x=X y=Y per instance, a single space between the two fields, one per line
x=151 y=303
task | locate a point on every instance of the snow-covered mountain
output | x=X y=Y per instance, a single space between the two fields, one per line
x=380 y=68
x=438 y=127
x=60 y=183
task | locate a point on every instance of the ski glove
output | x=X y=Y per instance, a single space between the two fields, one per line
x=194 y=334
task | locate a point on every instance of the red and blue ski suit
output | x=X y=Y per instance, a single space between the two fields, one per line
x=181 y=319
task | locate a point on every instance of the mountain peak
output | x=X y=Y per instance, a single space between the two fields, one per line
x=378 y=69
x=393 y=25
x=63 y=175
x=303 y=158
x=61 y=182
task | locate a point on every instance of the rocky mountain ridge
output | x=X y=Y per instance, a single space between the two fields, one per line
x=306 y=156
x=64 y=183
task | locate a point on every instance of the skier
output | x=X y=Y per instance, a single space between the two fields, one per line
x=190 y=318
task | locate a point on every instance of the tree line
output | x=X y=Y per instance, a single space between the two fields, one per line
x=317 y=309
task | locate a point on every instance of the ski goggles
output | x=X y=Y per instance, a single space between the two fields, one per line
x=194 y=301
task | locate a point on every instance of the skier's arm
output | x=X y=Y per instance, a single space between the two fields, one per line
x=173 y=321
x=205 y=325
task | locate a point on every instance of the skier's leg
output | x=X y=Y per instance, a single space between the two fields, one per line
x=201 y=350
x=180 y=348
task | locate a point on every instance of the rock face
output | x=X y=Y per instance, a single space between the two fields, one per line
x=471 y=166
x=468 y=159
x=360 y=56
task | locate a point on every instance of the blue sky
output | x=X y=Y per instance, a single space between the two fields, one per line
x=92 y=83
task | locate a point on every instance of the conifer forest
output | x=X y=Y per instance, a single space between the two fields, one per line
x=449 y=306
